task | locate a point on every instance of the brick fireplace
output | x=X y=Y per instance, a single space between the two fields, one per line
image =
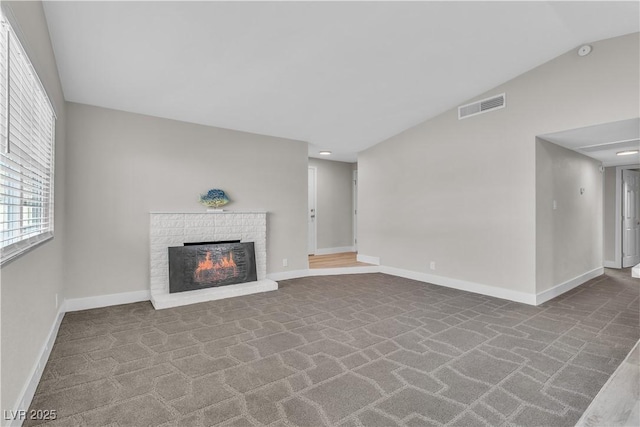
x=170 y=229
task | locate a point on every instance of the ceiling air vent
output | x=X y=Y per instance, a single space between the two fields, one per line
x=482 y=106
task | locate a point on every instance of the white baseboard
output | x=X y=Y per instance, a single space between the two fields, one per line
x=462 y=285
x=448 y=282
x=343 y=270
x=286 y=275
x=29 y=390
x=76 y=304
x=611 y=264
x=368 y=259
x=339 y=250
x=294 y=274
x=568 y=285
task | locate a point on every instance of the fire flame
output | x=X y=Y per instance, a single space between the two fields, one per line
x=210 y=271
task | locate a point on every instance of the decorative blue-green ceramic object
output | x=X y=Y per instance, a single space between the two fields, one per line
x=214 y=198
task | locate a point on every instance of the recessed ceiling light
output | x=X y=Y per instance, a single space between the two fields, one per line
x=627 y=153
x=325 y=153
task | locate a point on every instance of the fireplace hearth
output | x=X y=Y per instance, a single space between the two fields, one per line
x=193 y=267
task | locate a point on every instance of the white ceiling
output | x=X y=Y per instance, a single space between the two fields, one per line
x=602 y=141
x=342 y=76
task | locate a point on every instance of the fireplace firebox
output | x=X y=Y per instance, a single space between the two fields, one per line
x=209 y=265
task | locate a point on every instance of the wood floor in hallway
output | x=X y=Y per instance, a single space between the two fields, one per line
x=345 y=259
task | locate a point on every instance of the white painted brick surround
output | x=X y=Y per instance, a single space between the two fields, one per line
x=174 y=229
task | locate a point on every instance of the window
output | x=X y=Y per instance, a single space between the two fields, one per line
x=27 y=132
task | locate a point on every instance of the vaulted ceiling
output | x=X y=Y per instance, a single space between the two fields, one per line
x=342 y=76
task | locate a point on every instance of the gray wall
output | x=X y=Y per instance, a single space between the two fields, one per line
x=121 y=166
x=30 y=283
x=334 y=203
x=609 y=206
x=463 y=192
x=569 y=238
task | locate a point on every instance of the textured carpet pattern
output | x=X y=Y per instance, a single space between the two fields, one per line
x=352 y=350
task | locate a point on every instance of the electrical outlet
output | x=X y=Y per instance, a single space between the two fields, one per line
x=432 y=265
x=285 y=262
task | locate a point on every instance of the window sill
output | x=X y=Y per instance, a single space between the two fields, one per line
x=18 y=249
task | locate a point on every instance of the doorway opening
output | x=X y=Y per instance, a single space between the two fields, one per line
x=312 y=231
x=332 y=214
x=615 y=145
x=628 y=210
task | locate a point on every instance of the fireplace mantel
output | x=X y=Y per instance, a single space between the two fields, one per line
x=175 y=228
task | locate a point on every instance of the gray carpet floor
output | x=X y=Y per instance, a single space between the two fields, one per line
x=351 y=350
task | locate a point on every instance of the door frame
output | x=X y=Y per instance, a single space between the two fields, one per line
x=315 y=203
x=354 y=209
x=618 y=223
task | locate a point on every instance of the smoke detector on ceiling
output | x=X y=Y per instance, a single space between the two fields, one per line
x=584 y=50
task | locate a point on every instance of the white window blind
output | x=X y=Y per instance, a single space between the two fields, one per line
x=27 y=122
